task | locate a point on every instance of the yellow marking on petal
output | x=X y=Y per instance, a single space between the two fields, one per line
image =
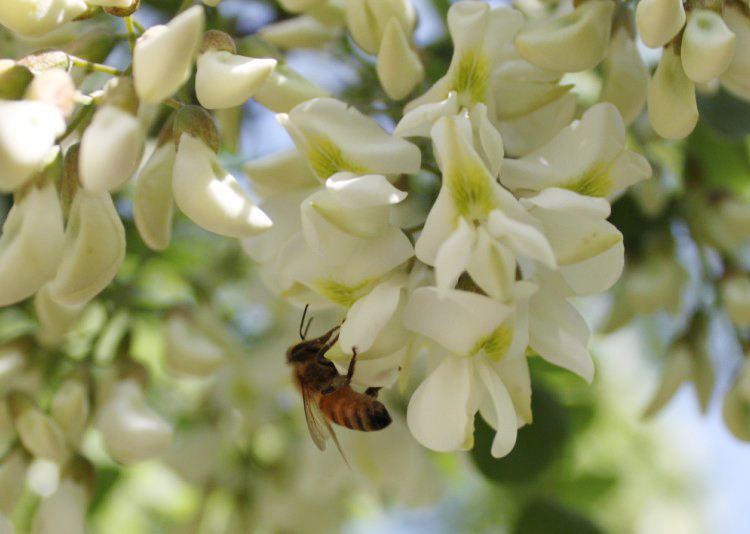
x=327 y=158
x=472 y=76
x=470 y=186
x=497 y=343
x=595 y=182
x=342 y=294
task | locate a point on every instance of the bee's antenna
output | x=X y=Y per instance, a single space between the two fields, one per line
x=303 y=333
x=307 y=328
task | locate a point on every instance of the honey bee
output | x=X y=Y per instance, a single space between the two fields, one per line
x=327 y=395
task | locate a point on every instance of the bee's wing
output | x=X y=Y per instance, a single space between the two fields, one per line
x=319 y=427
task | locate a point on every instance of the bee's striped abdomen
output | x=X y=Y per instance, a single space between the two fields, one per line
x=353 y=410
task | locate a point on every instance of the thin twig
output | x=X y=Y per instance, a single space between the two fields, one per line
x=94 y=67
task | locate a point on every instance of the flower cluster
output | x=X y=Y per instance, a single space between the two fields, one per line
x=450 y=240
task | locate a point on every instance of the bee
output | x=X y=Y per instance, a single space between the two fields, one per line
x=326 y=394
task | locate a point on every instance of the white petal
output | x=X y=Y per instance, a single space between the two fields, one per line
x=418 y=121
x=490 y=140
x=707 y=46
x=94 y=249
x=458 y=320
x=523 y=134
x=163 y=57
x=212 y=197
x=501 y=414
x=672 y=108
x=224 y=80
x=29 y=19
x=280 y=172
x=299 y=32
x=31 y=244
x=55 y=318
x=559 y=334
x=285 y=89
x=596 y=274
x=439 y=225
x=626 y=77
x=454 y=255
x=27 y=133
x=111 y=149
x=365 y=320
x=492 y=266
x=659 y=21
x=737 y=76
x=399 y=68
x=440 y=413
x=189 y=351
x=153 y=205
x=524 y=239
x=364 y=191
x=335 y=138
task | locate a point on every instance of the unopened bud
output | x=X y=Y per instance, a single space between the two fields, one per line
x=39 y=434
x=399 y=68
x=299 y=32
x=707 y=46
x=672 y=107
x=46 y=60
x=70 y=409
x=189 y=350
x=55 y=87
x=659 y=21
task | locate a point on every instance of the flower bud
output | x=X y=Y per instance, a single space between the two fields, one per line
x=225 y=80
x=43 y=60
x=153 y=205
x=736 y=408
x=54 y=87
x=27 y=133
x=12 y=470
x=12 y=362
x=117 y=8
x=737 y=76
x=212 y=197
x=163 y=56
x=63 y=512
x=94 y=249
x=190 y=351
x=43 y=477
x=626 y=78
x=735 y=293
x=659 y=21
x=655 y=284
x=70 y=409
x=55 y=319
x=111 y=149
x=40 y=435
x=672 y=108
x=299 y=32
x=285 y=89
x=32 y=19
x=31 y=244
x=367 y=20
x=707 y=46
x=399 y=68
x=571 y=43
x=132 y=430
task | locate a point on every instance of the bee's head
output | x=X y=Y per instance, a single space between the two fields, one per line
x=309 y=349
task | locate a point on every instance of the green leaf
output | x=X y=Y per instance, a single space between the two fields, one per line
x=722 y=164
x=725 y=114
x=543 y=516
x=537 y=447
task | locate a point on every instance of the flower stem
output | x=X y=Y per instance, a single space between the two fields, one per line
x=94 y=67
x=130 y=27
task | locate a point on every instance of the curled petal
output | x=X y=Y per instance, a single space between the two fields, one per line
x=441 y=411
x=498 y=410
x=672 y=107
x=30 y=19
x=94 y=249
x=212 y=197
x=31 y=244
x=224 y=80
x=279 y=173
x=399 y=68
x=153 y=205
x=659 y=20
x=454 y=255
x=368 y=316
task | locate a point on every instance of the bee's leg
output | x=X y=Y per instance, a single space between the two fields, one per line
x=372 y=392
x=352 y=363
x=325 y=348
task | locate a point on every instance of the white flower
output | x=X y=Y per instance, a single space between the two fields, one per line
x=38 y=432
x=337 y=138
x=626 y=76
x=285 y=89
x=210 y=196
x=299 y=32
x=479 y=35
x=399 y=68
x=33 y=18
x=153 y=204
x=70 y=409
x=94 y=249
x=485 y=370
x=225 y=80
x=672 y=108
x=654 y=284
x=569 y=43
x=189 y=350
x=164 y=55
x=659 y=20
x=132 y=430
x=367 y=20
x=31 y=244
x=55 y=318
x=588 y=157
x=111 y=149
x=707 y=46
x=737 y=76
x=27 y=133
